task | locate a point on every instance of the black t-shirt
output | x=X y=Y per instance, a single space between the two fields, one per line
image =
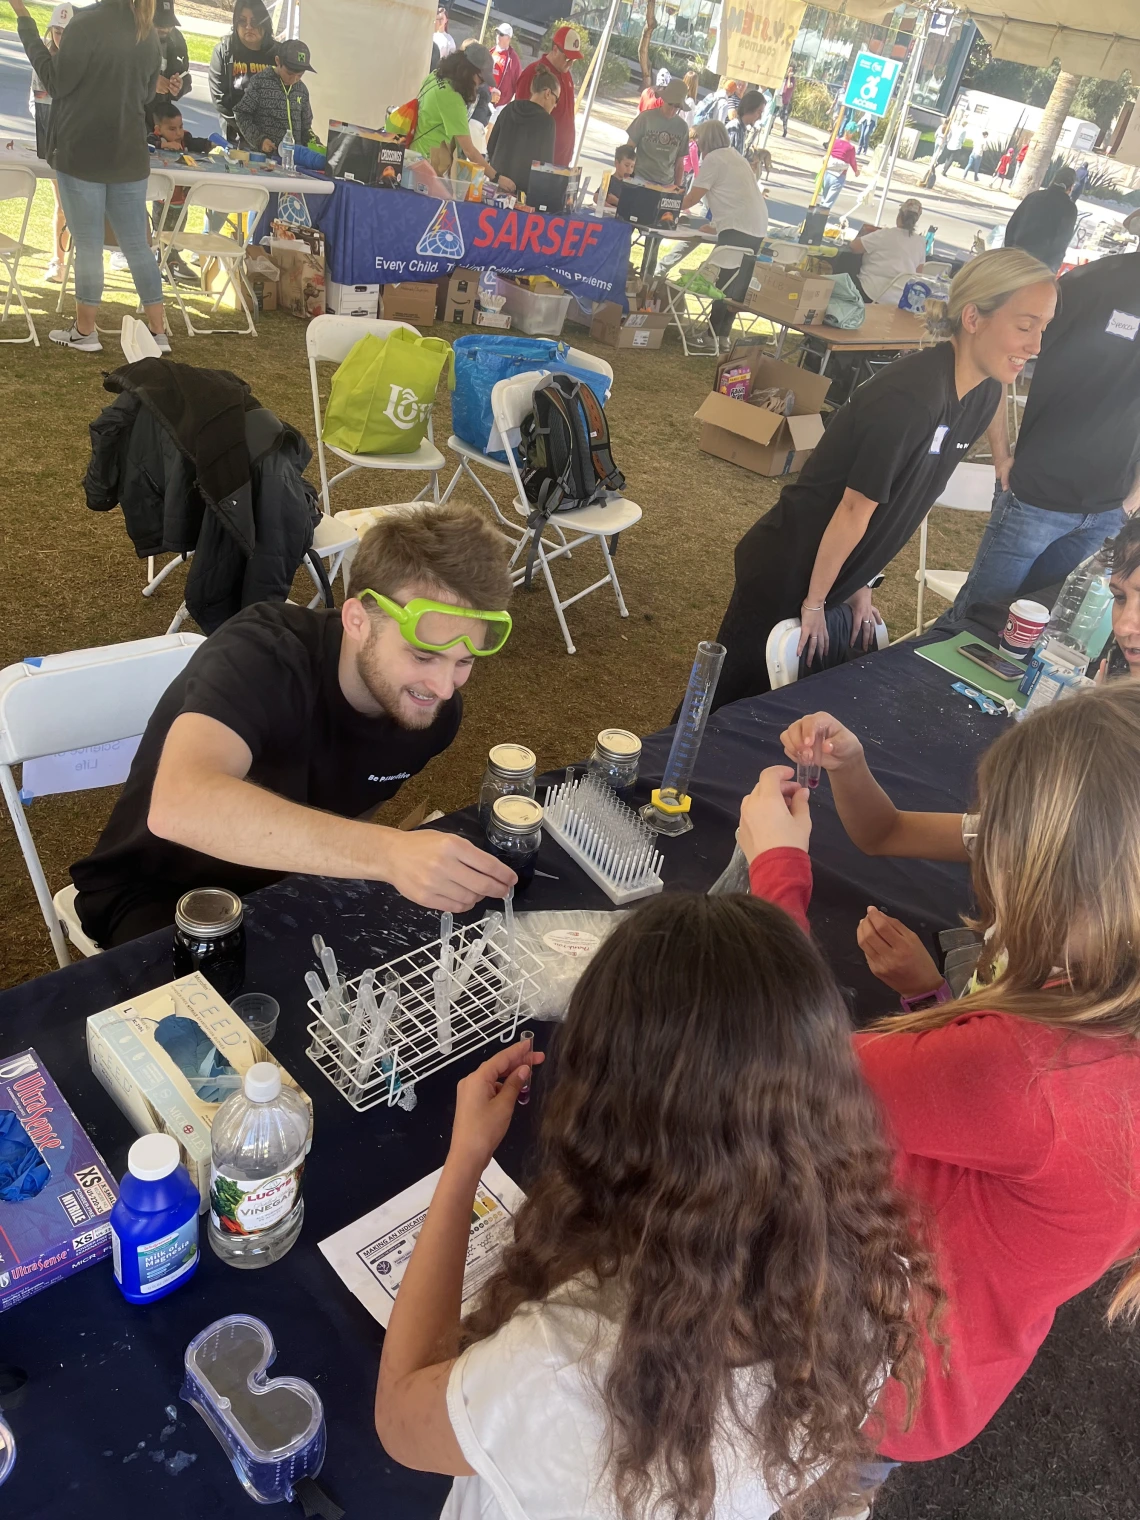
x=897 y=441
x=1079 y=444
x=271 y=675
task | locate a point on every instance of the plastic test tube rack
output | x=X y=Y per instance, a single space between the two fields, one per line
x=606 y=838
x=488 y=993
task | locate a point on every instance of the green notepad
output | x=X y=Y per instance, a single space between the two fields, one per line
x=948 y=657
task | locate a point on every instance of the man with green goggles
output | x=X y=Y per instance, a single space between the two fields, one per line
x=288 y=727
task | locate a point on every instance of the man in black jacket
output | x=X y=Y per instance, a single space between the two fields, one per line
x=174 y=79
x=1043 y=223
x=523 y=134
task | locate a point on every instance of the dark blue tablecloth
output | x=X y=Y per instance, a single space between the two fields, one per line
x=93 y=1429
x=385 y=236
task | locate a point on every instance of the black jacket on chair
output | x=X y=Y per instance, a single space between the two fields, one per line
x=197 y=463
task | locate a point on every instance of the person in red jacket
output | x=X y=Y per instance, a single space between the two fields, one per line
x=1012 y=1110
x=565 y=48
x=508 y=67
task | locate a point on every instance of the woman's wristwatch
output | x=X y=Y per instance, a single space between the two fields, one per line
x=927 y=999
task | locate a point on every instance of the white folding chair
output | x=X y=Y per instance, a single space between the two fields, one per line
x=160 y=188
x=15 y=185
x=511 y=400
x=328 y=340
x=470 y=456
x=229 y=196
x=969 y=489
x=936 y=269
x=697 y=336
x=781 y=654
x=73 y=701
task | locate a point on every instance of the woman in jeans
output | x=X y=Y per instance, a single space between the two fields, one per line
x=99 y=83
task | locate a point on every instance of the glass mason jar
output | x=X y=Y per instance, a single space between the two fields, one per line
x=209 y=937
x=510 y=772
x=616 y=757
x=514 y=834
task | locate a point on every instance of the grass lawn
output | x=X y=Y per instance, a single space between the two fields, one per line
x=70 y=578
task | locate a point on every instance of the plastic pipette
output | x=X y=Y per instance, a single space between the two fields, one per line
x=668 y=812
x=318 y=945
x=475 y=953
x=363 y=1009
x=446 y=929
x=441 y=982
x=331 y=970
x=376 y=1035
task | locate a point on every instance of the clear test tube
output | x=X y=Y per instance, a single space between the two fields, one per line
x=807 y=771
x=524 y=1092
x=668 y=813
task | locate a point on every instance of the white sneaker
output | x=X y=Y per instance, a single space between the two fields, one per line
x=163 y=342
x=71 y=337
x=54 y=272
x=119 y=261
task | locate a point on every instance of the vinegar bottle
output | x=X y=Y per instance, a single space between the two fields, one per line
x=259 y=1139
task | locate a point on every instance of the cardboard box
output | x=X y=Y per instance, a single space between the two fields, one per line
x=351 y=300
x=365 y=154
x=754 y=438
x=458 y=293
x=788 y=295
x=552 y=188
x=640 y=329
x=648 y=205
x=63 y=1222
x=149 y=1085
x=301 y=286
x=499 y=319
x=261 y=276
x=411 y=301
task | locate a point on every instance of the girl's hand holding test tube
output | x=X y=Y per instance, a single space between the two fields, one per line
x=485 y=1101
x=775 y=814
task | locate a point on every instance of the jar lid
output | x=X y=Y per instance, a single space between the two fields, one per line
x=518 y=815
x=262 y=1082
x=512 y=759
x=208 y=912
x=153 y=1157
x=619 y=743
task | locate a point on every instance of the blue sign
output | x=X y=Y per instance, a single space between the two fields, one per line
x=872 y=80
x=380 y=237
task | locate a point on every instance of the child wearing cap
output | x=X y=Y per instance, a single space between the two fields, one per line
x=276 y=101
x=39 y=104
x=565 y=49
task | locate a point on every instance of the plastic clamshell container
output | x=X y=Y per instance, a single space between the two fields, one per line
x=272 y=1429
x=538 y=312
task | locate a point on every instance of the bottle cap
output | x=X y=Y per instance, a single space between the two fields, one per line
x=512 y=759
x=263 y=1082
x=517 y=815
x=619 y=743
x=208 y=912
x=152 y=1157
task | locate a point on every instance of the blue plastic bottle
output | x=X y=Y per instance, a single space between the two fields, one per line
x=154 y=1224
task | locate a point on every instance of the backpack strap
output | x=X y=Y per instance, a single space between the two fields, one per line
x=598 y=429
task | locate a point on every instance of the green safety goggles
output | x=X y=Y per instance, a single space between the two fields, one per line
x=408 y=619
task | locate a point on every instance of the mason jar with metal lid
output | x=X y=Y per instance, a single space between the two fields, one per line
x=209 y=937
x=616 y=757
x=514 y=835
x=510 y=772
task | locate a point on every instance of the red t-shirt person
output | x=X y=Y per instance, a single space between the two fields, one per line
x=565 y=47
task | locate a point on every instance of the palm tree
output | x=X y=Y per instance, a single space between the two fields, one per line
x=1041 y=149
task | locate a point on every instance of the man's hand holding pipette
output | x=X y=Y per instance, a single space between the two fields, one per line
x=485 y=1101
x=775 y=815
x=444 y=871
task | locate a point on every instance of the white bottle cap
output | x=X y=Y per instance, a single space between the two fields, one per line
x=153 y=1157
x=263 y=1082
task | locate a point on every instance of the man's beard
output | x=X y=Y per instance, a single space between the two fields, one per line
x=389 y=693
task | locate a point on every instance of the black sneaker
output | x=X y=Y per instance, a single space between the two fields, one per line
x=180 y=273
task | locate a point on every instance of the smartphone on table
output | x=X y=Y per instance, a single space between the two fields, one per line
x=996 y=664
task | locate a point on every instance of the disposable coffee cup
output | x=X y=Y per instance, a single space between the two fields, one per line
x=259 y=1013
x=1024 y=626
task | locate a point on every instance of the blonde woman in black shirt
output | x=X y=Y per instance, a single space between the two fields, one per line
x=879 y=469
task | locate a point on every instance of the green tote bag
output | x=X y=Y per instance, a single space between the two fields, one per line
x=382 y=394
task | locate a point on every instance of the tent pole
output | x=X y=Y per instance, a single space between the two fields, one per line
x=598 y=61
x=486 y=20
x=904 y=107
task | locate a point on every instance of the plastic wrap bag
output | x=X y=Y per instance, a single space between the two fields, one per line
x=734 y=877
x=564 y=943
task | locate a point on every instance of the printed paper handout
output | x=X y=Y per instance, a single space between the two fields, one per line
x=370 y=1254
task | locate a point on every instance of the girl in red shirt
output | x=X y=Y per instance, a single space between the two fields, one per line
x=1013 y=1109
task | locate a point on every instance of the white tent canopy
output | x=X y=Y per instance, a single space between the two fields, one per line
x=1095 y=37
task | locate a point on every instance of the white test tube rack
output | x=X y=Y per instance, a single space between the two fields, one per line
x=488 y=996
x=606 y=838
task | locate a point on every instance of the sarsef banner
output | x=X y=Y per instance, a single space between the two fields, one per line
x=755 y=40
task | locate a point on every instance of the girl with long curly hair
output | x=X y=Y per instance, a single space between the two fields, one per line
x=712 y=1275
x=1013 y=1109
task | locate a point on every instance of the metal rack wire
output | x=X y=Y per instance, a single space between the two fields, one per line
x=490 y=981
